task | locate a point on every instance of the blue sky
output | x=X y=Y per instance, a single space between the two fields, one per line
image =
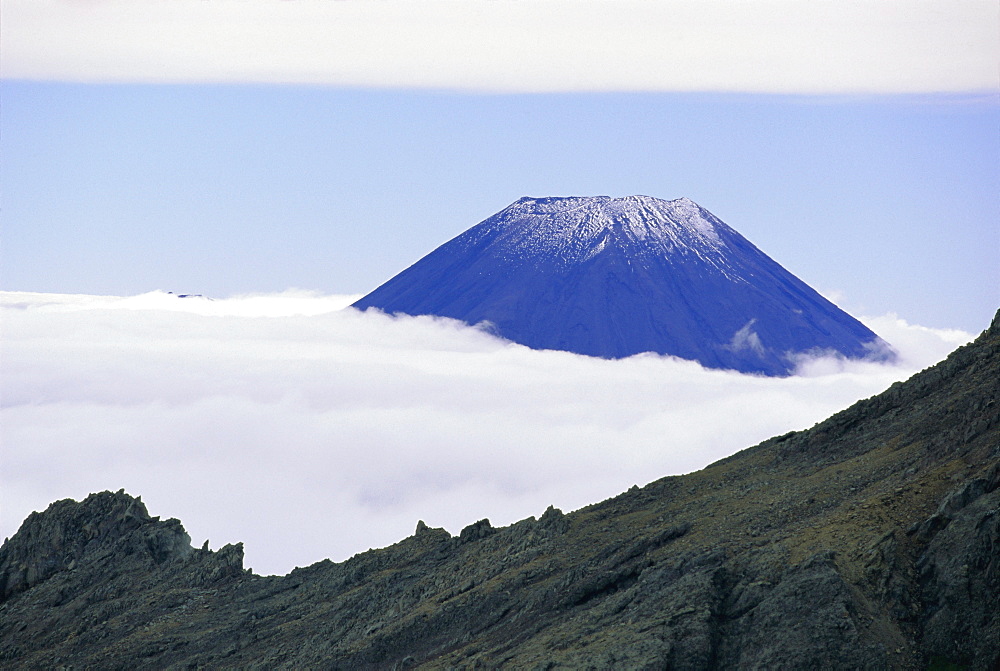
x=227 y=189
x=214 y=158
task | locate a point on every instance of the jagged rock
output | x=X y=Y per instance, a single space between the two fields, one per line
x=553 y=520
x=960 y=581
x=69 y=534
x=476 y=531
x=870 y=541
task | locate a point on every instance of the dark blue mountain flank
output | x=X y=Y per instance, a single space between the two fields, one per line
x=613 y=277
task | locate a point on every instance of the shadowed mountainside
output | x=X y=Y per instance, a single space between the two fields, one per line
x=870 y=541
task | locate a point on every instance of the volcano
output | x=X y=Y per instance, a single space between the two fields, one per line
x=614 y=277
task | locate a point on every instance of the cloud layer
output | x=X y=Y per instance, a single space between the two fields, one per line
x=781 y=46
x=310 y=431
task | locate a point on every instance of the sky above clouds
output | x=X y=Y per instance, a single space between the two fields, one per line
x=231 y=147
x=221 y=190
x=277 y=156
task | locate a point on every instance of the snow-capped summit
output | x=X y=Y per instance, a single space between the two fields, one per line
x=574 y=229
x=613 y=277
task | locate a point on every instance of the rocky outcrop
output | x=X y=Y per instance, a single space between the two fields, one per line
x=870 y=541
x=68 y=534
x=959 y=575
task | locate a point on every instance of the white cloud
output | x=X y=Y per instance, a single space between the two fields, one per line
x=310 y=431
x=784 y=46
x=746 y=338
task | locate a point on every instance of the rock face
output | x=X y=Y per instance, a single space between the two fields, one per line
x=870 y=541
x=613 y=277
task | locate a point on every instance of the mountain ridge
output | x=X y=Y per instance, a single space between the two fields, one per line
x=871 y=540
x=614 y=277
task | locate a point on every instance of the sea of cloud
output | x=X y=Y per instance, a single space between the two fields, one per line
x=307 y=430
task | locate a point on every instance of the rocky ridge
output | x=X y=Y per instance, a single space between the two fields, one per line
x=870 y=541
